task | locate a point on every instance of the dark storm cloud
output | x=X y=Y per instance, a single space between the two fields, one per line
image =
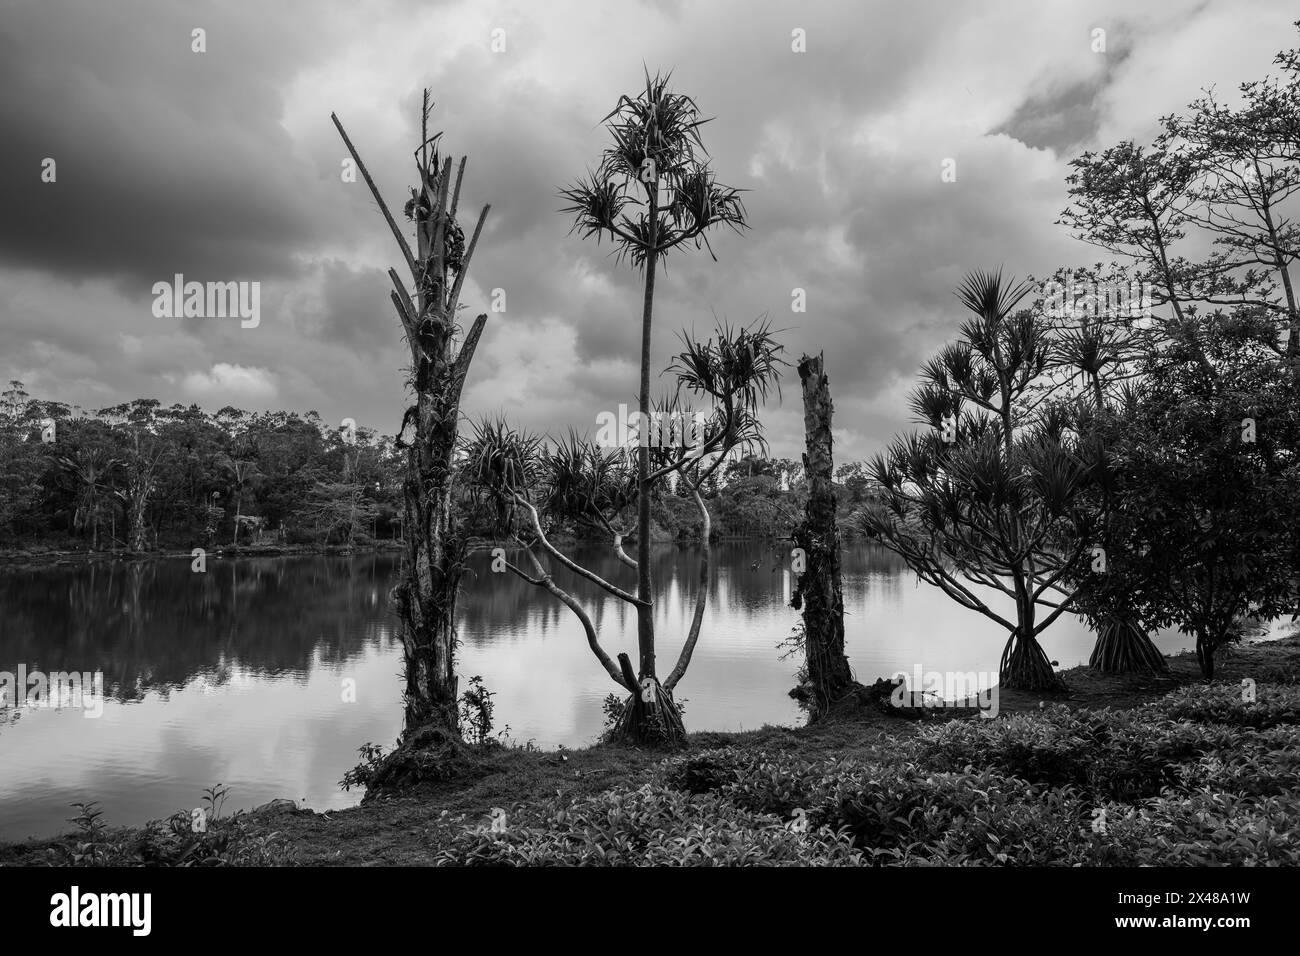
x=168 y=160
x=224 y=165
x=1059 y=122
x=352 y=309
x=1065 y=116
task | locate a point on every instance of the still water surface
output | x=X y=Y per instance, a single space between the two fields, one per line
x=236 y=676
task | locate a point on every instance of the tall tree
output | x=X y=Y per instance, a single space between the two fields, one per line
x=14 y=400
x=143 y=455
x=1099 y=343
x=991 y=494
x=656 y=166
x=242 y=472
x=89 y=469
x=818 y=591
x=425 y=597
x=1247 y=170
x=1203 y=212
x=1203 y=534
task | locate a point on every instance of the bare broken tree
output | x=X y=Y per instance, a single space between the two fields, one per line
x=425 y=597
x=818 y=592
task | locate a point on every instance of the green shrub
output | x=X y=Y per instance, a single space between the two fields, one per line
x=229 y=840
x=709 y=770
x=1261 y=763
x=894 y=809
x=1026 y=789
x=1203 y=828
x=651 y=826
x=1273 y=706
x=372 y=758
x=1111 y=755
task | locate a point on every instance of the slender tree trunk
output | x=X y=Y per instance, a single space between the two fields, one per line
x=239 y=500
x=645 y=627
x=139 y=505
x=818 y=590
x=1205 y=655
x=650 y=715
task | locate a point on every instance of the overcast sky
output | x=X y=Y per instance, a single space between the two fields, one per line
x=224 y=165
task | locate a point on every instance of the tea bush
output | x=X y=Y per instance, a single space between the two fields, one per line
x=897 y=810
x=1191 y=780
x=1115 y=755
x=650 y=826
x=227 y=840
x=1273 y=706
x=1203 y=828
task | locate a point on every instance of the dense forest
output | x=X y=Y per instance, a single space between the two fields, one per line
x=142 y=476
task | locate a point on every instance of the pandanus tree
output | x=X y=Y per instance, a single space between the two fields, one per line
x=1098 y=345
x=535 y=487
x=427 y=306
x=653 y=191
x=992 y=493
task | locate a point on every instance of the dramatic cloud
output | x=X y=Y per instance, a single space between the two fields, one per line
x=229 y=385
x=223 y=166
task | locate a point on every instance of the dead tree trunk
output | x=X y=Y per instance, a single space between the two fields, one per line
x=817 y=588
x=425 y=596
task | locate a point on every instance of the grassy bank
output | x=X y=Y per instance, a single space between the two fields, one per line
x=1122 y=770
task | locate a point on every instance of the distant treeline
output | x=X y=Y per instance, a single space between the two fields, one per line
x=142 y=476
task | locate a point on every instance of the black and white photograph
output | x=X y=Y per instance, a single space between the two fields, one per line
x=830 y=435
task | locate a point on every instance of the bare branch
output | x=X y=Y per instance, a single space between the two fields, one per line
x=573 y=566
x=701 y=598
x=544 y=580
x=455 y=196
x=374 y=191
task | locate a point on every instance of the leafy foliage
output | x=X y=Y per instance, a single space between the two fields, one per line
x=228 y=840
x=993 y=493
x=146 y=474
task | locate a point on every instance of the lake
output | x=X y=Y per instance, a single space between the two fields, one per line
x=239 y=675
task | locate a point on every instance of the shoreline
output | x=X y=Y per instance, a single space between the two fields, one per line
x=523 y=779
x=19 y=559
